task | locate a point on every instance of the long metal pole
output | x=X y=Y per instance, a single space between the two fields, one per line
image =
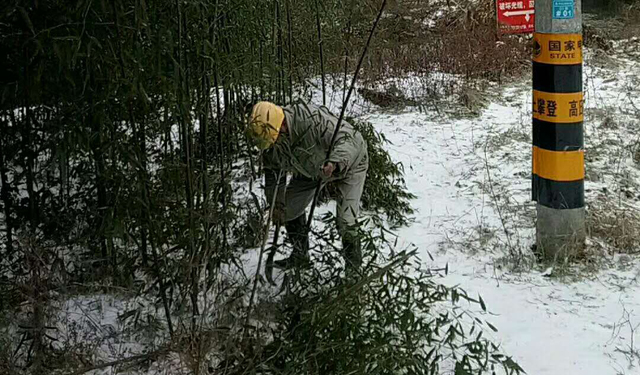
x=558 y=136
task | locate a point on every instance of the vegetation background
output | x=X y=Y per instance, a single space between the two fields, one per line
x=122 y=148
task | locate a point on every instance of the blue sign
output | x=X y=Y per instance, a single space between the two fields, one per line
x=564 y=9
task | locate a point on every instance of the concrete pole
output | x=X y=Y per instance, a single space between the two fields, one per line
x=558 y=136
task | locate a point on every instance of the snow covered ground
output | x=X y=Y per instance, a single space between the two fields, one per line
x=550 y=326
x=468 y=173
x=471 y=176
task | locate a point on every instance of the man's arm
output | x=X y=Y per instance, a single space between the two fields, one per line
x=347 y=147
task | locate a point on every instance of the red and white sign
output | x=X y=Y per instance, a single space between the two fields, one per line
x=516 y=17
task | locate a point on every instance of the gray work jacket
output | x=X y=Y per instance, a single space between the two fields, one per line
x=304 y=151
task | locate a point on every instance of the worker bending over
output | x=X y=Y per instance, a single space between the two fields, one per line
x=296 y=139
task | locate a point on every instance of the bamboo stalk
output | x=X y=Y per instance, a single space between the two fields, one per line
x=221 y=154
x=321 y=49
x=185 y=133
x=265 y=239
x=6 y=188
x=290 y=57
x=344 y=108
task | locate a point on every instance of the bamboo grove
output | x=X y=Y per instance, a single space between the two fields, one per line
x=124 y=168
x=122 y=126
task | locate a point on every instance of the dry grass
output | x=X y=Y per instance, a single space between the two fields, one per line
x=462 y=40
x=620 y=22
x=615 y=224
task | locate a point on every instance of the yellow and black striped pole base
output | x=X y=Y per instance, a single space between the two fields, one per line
x=558 y=115
x=558 y=138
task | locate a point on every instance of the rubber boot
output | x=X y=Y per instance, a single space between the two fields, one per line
x=352 y=248
x=299 y=238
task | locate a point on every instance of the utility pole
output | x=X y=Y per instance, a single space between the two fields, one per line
x=558 y=136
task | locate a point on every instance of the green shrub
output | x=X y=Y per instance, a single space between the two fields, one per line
x=394 y=319
x=384 y=190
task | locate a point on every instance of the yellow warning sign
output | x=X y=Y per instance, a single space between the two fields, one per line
x=558 y=108
x=558 y=165
x=558 y=49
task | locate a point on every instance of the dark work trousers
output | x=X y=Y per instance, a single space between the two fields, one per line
x=299 y=194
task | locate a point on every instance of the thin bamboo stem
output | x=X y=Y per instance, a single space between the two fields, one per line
x=344 y=108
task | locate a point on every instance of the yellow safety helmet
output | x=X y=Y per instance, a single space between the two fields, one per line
x=264 y=124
